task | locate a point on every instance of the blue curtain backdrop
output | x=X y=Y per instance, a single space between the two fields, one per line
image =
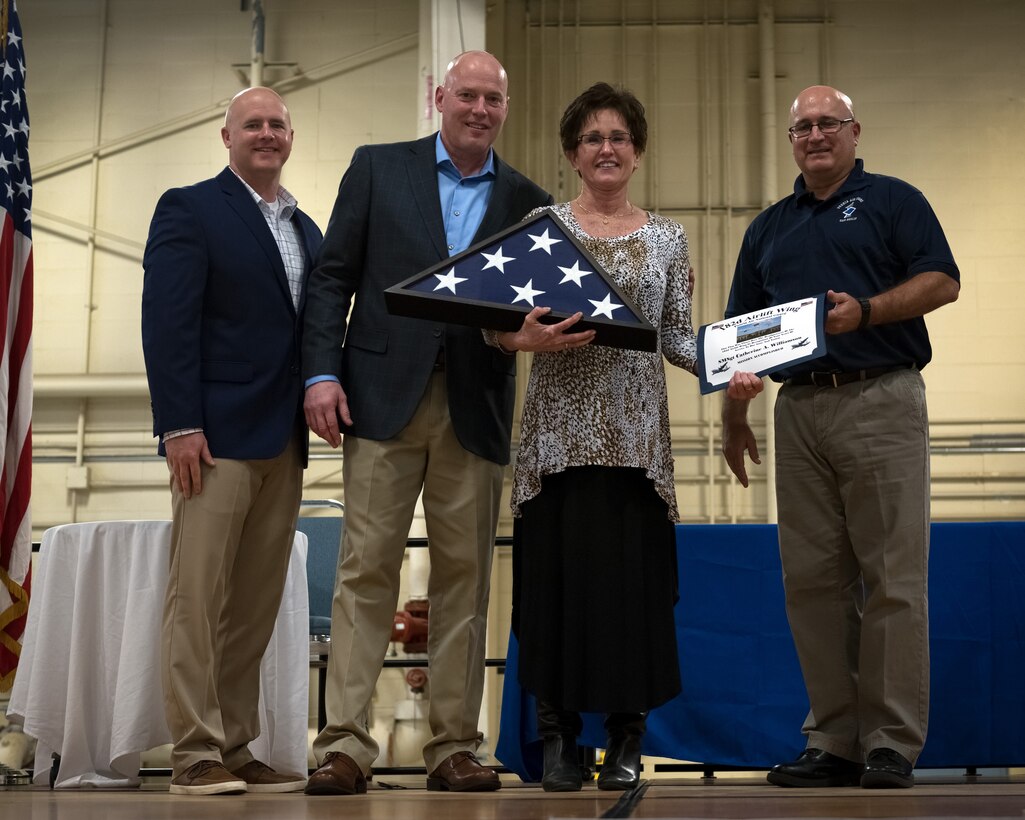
x=743 y=700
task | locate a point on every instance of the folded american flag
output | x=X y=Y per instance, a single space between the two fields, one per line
x=537 y=263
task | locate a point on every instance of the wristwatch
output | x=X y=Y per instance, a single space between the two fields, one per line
x=866 y=312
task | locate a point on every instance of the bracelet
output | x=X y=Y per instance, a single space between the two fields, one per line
x=866 y=312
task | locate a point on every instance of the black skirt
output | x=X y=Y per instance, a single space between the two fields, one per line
x=594 y=585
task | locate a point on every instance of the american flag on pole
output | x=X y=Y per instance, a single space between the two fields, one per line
x=537 y=263
x=16 y=358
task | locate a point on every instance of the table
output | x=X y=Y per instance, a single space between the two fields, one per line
x=743 y=699
x=88 y=682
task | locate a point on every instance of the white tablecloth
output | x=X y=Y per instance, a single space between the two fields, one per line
x=88 y=681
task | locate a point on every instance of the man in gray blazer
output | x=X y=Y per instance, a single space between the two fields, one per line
x=422 y=406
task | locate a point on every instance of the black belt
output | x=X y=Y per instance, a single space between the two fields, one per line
x=839 y=378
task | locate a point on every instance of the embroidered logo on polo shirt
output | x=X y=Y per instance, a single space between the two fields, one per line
x=847 y=209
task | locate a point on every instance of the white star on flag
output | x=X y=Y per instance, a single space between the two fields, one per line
x=605 y=306
x=497 y=260
x=574 y=274
x=526 y=293
x=449 y=280
x=544 y=242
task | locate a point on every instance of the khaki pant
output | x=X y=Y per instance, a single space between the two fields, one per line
x=461 y=494
x=852 y=478
x=230 y=548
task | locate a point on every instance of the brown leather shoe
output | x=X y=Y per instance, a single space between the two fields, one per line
x=262 y=779
x=338 y=774
x=460 y=772
x=207 y=777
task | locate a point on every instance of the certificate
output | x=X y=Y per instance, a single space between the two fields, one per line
x=761 y=342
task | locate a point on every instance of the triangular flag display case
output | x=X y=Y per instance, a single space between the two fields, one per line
x=538 y=262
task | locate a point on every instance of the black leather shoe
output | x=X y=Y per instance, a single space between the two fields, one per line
x=816 y=768
x=562 y=764
x=621 y=768
x=887 y=769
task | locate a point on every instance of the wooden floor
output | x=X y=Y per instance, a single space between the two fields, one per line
x=684 y=796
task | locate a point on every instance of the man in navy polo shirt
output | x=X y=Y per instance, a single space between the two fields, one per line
x=852 y=445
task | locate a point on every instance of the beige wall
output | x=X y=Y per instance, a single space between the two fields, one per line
x=938 y=88
x=149 y=80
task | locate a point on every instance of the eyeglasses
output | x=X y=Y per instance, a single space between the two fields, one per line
x=592 y=139
x=826 y=126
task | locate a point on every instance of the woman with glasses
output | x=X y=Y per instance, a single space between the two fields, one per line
x=593 y=494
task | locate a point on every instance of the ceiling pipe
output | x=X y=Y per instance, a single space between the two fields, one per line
x=256 y=59
x=770 y=171
x=767 y=73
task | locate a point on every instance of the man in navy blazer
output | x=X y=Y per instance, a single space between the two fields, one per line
x=423 y=406
x=225 y=269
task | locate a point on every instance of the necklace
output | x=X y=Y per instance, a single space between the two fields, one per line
x=605 y=217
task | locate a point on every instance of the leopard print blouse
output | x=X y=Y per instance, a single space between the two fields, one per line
x=598 y=405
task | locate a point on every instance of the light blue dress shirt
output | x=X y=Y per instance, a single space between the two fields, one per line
x=463 y=199
x=463 y=203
